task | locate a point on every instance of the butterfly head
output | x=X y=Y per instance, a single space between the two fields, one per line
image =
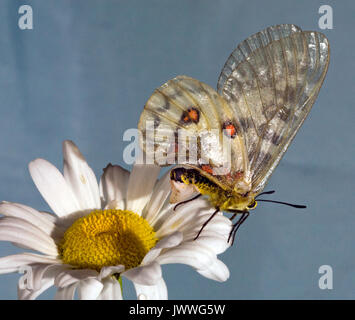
x=236 y=202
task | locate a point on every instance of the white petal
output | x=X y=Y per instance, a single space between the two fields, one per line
x=141 y=183
x=151 y=255
x=41 y=277
x=155 y=292
x=145 y=275
x=49 y=216
x=70 y=276
x=215 y=242
x=16 y=262
x=115 y=204
x=109 y=271
x=181 y=192
x=216 y=271
x=53 y=188
x=28 y=214
x=27 y=238
x=111 y=290
x=214 y=235
x=114 y=183
x=25 y=294
x=219 y=224
x=21 y=224
x=202 y=258
x=66 y=293
x=188 y=253
x=80 y=177
x=184 y=217
x=33 y=275
x=89 y=289
x=168 y=242
x=158 y=198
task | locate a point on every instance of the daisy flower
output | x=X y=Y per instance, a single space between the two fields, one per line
x=122 y=226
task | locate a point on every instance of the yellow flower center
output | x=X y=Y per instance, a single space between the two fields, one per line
x=107 y=238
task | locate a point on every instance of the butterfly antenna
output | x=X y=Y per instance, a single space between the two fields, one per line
x=298 y=206
x=265 y=192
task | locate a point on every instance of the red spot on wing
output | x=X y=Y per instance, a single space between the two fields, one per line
x=194 y=115
x=235 y=176
x=238 y=175
x=190 y=115
x=229 y=129
x=207 y=168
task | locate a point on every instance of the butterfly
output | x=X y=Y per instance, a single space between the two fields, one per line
x=264 y=93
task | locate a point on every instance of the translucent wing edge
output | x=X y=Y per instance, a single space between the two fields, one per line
x=258 y=185
x=255 y=41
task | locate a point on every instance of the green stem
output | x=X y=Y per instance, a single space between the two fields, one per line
x=120 y=282
x=119 y=279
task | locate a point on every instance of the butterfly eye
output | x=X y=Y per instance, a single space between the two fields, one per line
x=252 y=205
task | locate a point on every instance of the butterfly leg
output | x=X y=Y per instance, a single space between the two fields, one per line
x=235 y=214
x=186 y=201
x=236 y=226
x=207 y=221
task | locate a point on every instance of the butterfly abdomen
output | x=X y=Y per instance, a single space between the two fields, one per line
x=192 y=176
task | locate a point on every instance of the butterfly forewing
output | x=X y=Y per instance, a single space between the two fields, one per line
x=249 y=45
x=275 y=80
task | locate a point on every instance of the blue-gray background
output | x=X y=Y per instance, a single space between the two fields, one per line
x=84 y=73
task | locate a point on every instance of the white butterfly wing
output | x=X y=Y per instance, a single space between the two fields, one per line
x=193 y=108
x=271 y=81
